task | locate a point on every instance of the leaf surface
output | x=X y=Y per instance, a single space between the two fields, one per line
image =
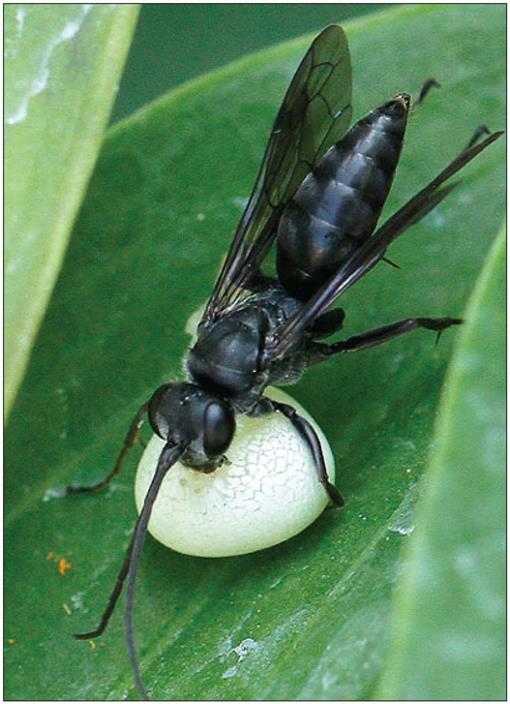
x=307 y=619
x=450 y=620
x=62 y=65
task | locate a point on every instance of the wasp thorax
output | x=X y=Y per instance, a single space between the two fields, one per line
x=225 y=357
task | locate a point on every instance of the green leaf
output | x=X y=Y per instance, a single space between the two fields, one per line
x=195 y=47
x=62 y=65
x=450 y=633
x=307 y=619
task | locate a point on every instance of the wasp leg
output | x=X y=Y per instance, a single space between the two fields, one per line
x=133 y=436
x=258 y=281
x=390 y=262
x=425 y=89
x=477 y=135
x=327 y=323
x=319 y=352
x=305 y=429
x=112 y=600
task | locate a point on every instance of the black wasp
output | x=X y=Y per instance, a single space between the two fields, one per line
x=318 y=196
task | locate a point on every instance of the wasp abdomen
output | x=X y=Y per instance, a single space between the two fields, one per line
x=337 y=206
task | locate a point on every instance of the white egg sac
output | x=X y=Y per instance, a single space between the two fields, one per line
x=269 y=492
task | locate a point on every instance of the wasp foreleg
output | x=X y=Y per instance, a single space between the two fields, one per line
x=132 y=437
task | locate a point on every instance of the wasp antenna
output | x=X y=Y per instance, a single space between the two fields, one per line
x=168 y=457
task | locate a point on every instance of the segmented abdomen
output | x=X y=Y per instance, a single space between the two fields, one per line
x=337 y=206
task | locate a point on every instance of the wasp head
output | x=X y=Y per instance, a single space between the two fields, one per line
x=189 y=416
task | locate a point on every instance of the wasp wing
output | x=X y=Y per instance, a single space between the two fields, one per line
x=315 y=112
x=369 y=254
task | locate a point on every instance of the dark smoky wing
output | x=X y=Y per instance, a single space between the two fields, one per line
x=370 y=253
x=315 y=112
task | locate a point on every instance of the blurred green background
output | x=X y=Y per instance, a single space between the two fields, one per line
x=174 y=43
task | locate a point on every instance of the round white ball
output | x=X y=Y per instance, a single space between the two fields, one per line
x=268 y=493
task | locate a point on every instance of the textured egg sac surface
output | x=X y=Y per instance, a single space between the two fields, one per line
x=268 y=493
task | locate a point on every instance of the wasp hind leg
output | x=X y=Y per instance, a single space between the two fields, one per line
x=477 y=135
x=319 y=352
x=426 y=88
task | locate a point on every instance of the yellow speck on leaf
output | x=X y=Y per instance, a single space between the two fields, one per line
x=11 y=641
x=50 y=555
x=92 y=644
x=66 y=609
x=63 y=566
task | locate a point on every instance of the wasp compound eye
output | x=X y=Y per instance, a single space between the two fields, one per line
x=164 y=408
x=219 y=428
